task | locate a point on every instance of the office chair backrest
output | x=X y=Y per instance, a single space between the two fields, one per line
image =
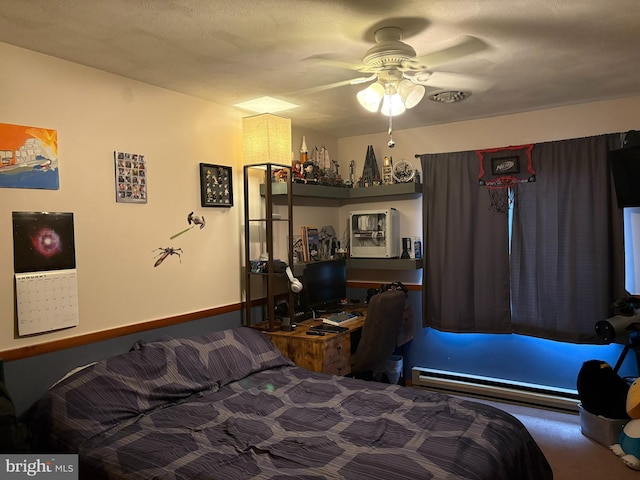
x=379 y=333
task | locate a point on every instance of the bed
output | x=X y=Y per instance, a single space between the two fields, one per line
x=229 y=405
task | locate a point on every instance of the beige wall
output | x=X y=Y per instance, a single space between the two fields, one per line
x=313 y=139
x=94 y=114
x=539 y=126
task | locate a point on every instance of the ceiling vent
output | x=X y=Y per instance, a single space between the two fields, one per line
x=451 y=96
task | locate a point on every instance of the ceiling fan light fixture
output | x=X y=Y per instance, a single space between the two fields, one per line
x=392 y=105
x=389 y=48
x=371 y=97
x=411 y=93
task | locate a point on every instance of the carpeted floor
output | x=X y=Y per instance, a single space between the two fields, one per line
x=571 y=454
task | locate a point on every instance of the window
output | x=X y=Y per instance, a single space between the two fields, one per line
x=632 y=249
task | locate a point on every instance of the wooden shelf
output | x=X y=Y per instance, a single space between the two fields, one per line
x=319 y=191
x=306 y=193
x=414 y=190
x=342 y=194
x=372 y=263
x=385 y=263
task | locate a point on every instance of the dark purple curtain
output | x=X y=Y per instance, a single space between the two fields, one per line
x=567 y=255
x=466 y=273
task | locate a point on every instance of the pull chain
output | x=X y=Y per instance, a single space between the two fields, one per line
x=391 y=143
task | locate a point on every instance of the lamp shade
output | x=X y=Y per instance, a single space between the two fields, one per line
x=410 y=92
x=392 y=105
x=266 y=138
x=371 y=96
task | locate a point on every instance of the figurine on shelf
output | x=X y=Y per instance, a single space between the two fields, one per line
x=298 y=174
x=310 y=172
x=370 y=170
x=296 y=166
x=387 y=171
x=352 y=175
x=304 y=152
x=279 y=176
x=324 y=160
x=328 y=242
x=335 y=169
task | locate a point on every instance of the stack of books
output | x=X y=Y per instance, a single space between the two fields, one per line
x=339 y=318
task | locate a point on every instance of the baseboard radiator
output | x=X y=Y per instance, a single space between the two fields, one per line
x=495 y=389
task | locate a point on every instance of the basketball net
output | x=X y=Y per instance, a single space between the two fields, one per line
x=504 y=164
x=503 y=191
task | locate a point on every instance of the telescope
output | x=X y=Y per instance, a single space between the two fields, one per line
x=618 y=326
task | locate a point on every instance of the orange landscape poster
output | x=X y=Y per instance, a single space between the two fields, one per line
x=28 y=157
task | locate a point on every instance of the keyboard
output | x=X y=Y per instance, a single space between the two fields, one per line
x=325 y=327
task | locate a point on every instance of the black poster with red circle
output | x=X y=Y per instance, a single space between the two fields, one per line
x=43 y=241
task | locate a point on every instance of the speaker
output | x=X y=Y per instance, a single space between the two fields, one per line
x=625 y=171
x=406 y=247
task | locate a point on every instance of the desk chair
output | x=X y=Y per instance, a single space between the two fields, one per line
x=379 y=335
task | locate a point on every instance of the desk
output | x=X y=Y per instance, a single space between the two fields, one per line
x=330 y=353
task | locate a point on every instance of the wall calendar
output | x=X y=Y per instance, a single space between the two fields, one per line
x=46 y=301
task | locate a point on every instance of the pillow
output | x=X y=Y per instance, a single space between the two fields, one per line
x=71 y=372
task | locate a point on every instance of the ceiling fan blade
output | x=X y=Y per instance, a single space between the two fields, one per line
x=329 y=60
x=461 y=47
x=329 y=86
x=446 y=80
x=371 y=68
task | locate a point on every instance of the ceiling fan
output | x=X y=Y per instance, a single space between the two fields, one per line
x=400 y=76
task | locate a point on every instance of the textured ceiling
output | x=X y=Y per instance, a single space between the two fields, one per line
x=540 y=53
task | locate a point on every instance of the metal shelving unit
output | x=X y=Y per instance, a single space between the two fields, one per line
x=267 y=234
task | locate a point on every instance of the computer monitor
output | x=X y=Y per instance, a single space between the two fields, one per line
x=325 y=285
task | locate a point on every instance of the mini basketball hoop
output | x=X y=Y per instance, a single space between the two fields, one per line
x=505 y=174
x=502 y=192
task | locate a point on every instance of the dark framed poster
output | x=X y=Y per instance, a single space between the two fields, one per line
x=216 y=185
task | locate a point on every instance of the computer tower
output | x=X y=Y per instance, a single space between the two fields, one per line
x=375 y=233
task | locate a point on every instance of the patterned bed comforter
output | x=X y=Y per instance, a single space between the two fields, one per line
x=228 y=405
